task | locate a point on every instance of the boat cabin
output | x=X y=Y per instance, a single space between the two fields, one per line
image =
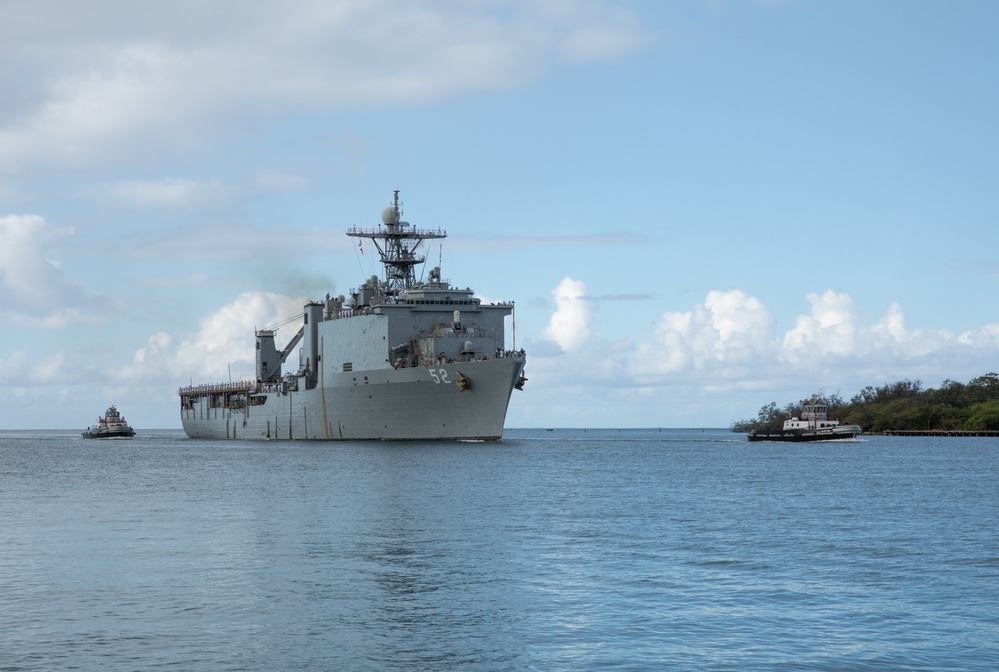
x=813 y=416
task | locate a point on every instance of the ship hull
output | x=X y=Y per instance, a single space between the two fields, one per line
x=125 y=433
x=800 y=435
x=416 y=403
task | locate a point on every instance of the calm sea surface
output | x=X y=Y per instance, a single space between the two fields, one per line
x=563 y=550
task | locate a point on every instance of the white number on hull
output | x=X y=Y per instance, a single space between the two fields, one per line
x=439 y=376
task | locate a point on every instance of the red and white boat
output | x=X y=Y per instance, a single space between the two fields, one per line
x=111 y=426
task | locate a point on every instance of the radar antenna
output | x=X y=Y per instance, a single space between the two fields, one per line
x=397 y=245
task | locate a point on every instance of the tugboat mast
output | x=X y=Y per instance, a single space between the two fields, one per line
x=397 y=245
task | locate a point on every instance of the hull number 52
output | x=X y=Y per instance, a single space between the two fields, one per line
x=439 y=376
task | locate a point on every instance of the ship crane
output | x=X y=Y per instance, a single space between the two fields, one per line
x=269 y=360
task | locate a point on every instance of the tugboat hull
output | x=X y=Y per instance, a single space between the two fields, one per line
x=109 y=434
x=798 y=435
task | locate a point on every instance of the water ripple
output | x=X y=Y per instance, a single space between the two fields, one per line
x=565 y=550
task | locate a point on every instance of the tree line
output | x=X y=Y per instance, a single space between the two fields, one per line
x=898 y=406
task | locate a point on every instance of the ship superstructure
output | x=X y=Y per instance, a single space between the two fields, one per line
x=399 y=358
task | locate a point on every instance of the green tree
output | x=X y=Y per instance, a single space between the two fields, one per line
x=984 y=388
x=984 y=416
x=902 y=405
x=768 y=416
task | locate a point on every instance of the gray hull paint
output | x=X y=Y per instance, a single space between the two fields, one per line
x=421 y=403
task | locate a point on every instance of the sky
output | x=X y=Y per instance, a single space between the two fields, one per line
x=699 y=207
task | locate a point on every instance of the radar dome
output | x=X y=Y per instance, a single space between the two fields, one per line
x=390 y=215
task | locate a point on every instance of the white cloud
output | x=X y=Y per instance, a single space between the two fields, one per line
x=224 y=342
x=731 y=340
x=890 y=334
x=985 y=339
x=727 y=334
x=95 y=79
x=34 y=291
x=24 y=370
x=570 y=323
x=167 y=193
x=830 y=329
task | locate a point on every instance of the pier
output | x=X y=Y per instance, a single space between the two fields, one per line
x=940 y=432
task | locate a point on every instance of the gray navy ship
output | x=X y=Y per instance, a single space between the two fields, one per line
x=400 y=358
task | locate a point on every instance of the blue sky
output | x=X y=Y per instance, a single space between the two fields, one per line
x=699 y=206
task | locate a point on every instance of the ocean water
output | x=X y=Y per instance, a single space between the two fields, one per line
x=553 y=550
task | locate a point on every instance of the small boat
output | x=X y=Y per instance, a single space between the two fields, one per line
x=814 y=425
x=111 y=426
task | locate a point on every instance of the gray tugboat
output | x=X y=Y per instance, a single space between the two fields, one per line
x=814 y=425
x=111 y=426
x=400 y=358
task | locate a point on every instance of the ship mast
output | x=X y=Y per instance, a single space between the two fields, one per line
x=397 y=245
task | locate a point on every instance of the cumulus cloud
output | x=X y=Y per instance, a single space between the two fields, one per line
x=727 y=334
x=982 y=340
x=729 y=328
x=835 y=332
x=99 y=75
x=224 y=342
x=730 y=339
x=570 y=323
x=890 y=334
x=34 y=291
x=830 y=329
